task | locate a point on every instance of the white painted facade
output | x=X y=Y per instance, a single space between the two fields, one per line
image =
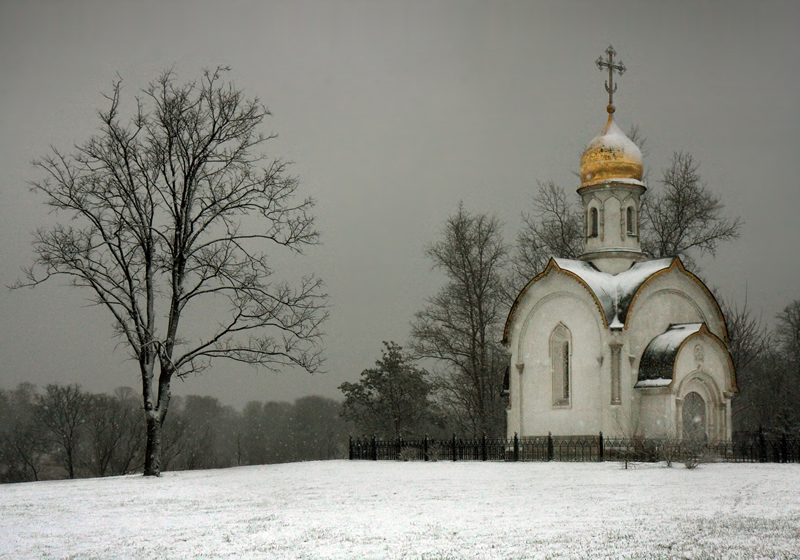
x=577 y=333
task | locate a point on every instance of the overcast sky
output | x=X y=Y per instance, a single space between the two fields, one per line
x=392 y=113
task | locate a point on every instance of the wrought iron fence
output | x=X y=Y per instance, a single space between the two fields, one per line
x=743 y=448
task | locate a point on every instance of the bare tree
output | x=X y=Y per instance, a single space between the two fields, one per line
x=254 y=432
x=684 y=218
x=22 y=442
x=129 y=451
x=461 y=326
x=748 y=337
x=318 y=431
x=174 y=436
x=553 y=228
x=61 y=412
x=266 y=432
x=636 y=136
x=209 y=441
x=749 y=347
x=163 y=221
x=114 y=433
x=769 y=374
x=102 y=435
x=787 y=334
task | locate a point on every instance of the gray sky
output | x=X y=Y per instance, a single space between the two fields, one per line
x=392 y=113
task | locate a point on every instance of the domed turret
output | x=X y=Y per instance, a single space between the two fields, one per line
x=611 y=188
x=611 y=155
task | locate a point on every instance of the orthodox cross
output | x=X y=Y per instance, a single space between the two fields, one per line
x=611 y=87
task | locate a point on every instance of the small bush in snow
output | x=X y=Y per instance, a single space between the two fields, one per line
x=694 y=453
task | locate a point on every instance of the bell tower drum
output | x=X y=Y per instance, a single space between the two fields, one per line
x=611 y=189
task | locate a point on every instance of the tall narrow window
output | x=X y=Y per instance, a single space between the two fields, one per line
x=560 y=349
x=565 y=368
x=616 y=351
x=593 y=222
x=631 y=219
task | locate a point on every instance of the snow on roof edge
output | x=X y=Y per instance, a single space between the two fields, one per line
x=658 y=358
x=614 y=292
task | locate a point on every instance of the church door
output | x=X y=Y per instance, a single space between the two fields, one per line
x=694 y=417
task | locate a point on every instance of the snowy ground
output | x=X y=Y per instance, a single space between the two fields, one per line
x=340 y=509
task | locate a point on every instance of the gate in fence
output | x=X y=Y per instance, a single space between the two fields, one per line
x=747 y=448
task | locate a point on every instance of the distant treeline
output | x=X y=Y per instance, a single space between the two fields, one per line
x=66 y=432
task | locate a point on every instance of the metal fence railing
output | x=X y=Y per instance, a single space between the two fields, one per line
x=743 y=448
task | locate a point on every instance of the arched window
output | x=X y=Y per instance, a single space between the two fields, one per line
x=593 y=222
x=560 y=359
x=631 y=221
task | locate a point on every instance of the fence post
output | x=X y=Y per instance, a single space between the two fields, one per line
x=483 y=447
x=601 y=458
x=762 y=446
x=350 y=455
x=399 y=447
x=516 y=447
x=454 y=446
x=425 y=447
x=374 y=447
x=549 y=446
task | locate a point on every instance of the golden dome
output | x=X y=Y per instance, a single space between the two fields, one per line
x=611 y=155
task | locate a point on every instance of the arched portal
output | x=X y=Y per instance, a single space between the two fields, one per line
x=695 y=425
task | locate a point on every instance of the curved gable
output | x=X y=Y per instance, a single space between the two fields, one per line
x=677 y=265
x=657 y=366
x=551 y=268
x=615 y=294
x=612 y=293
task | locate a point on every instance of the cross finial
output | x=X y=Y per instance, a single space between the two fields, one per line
x=611 y=87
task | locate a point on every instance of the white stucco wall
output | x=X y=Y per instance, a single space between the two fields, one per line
x=556 y=299
x=671 y=297
x=701 y=366
x=656 y=413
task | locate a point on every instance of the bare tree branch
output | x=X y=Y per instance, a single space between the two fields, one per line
x=163 y=207
x=685 y=218
x=460 y=327
x=553 y=228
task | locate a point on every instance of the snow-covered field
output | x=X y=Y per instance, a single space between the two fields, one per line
x=341 y=509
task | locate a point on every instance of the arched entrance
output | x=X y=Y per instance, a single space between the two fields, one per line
x=695 y=425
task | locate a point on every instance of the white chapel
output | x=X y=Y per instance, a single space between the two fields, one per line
x=616 y=342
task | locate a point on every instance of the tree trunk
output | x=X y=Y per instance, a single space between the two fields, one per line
x=70 y=461
x=152 y=456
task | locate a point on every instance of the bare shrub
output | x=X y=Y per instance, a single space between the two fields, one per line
x=669 y=450
x=694 y=453
x=410 y=454
x=434 y=451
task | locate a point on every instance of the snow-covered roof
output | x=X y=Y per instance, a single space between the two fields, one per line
x=614 y=292
x=658 y=360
